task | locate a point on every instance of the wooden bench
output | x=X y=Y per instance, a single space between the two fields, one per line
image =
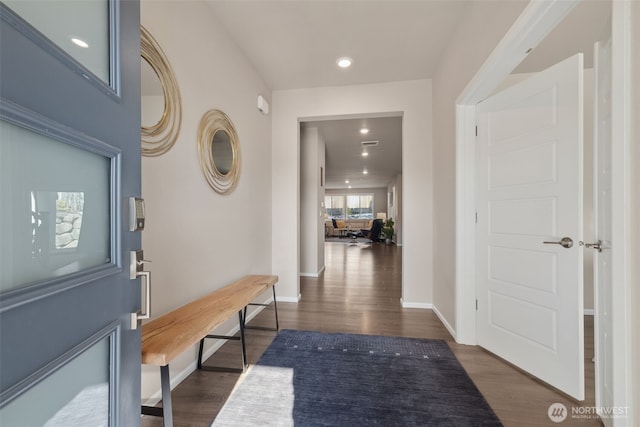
x=166 y=337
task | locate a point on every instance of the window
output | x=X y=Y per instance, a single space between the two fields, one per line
x=360 y=206
x=334 y=206
x=349 y=206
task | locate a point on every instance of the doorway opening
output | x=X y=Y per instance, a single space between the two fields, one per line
x=350 y=186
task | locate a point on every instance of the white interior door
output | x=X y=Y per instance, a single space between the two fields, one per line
x=529 y=191
x=603 y=230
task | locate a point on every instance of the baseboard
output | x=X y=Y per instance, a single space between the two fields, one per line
x=423 y=305
x=445 y=323
x=589 y=312
x=429 y=306
x=288 y=299
x=313 y=274
x=176 y=379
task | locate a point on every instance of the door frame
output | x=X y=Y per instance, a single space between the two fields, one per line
x=532 y=26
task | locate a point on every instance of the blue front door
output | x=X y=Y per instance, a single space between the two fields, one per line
x=69 y=161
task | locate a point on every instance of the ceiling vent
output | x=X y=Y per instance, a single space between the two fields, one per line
x=370 y=143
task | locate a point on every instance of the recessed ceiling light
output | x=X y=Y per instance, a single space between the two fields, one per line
x=79 y=42
x=349 y=187
x=344 y=62
x=346 y=181
x=364 y=171
x=364 y=131
x=365 y=154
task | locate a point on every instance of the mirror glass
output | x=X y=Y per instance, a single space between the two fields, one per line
x=152 y=94
x=222 y=152
x=219 y=151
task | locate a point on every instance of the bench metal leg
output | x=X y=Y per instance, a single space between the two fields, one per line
x=241 y=321
x=166 y=396
x=275 y=306
x=166 y=411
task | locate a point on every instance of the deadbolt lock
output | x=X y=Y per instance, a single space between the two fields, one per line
x=596 y=245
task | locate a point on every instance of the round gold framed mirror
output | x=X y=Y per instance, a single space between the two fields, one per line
x=219 y=151
x=161 y=103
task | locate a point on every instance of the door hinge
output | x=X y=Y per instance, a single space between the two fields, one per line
x=476 y=305
x=476 y=130
x=476 y=217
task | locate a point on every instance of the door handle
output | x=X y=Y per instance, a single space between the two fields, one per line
x=135 y=271
x=145 y=309
x=597 y=245
x=565 y=242
x=147 y=296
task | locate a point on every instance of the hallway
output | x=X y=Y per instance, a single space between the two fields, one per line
x=360 y=292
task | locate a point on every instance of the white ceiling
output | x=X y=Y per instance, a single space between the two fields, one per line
x=344 y=160
x=295 y=44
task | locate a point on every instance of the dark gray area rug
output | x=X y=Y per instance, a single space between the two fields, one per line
x=317 y=379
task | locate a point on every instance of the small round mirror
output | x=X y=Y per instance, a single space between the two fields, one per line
x=219 y=151
x=222 y=152
x=152 y=102
x=161 y=104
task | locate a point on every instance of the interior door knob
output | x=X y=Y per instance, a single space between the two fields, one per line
x=565 y=242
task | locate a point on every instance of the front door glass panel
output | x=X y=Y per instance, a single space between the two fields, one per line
x=54 y=208
x=80 y=28
x=77 y=394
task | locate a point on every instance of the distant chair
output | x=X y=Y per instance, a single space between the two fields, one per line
x=373 y=234
x=334 y=229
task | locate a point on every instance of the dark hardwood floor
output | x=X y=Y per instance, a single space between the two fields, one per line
x=360 y=292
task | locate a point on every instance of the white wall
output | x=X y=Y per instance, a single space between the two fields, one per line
x=635 y=207
x=395 y=210
x=482 y=28
x=322 y=153
x=312 y=148
x=197 y=239
x=410 y=98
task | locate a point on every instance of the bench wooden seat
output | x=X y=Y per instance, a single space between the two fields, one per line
x=166 y=337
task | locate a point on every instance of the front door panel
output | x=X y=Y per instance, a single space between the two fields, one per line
x=69 y=159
